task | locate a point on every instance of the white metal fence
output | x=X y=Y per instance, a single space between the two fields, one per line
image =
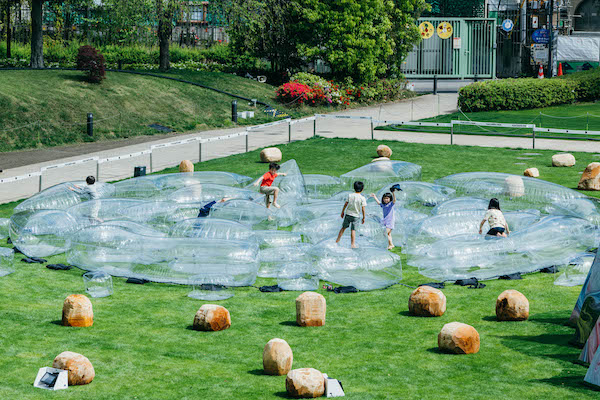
x=197 y=149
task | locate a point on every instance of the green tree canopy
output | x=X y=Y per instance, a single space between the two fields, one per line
x=361 y=39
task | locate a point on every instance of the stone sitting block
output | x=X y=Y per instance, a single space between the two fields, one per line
x=212 y=317
x=81 y=370
x=77 y=311
x=277 y=357
x=512 y=305
x=458 y=338
x=305 y=383
x=426 y=301
x=310 y=309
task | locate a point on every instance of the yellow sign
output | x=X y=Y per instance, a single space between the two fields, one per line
x=444 y=30
x=426 y=29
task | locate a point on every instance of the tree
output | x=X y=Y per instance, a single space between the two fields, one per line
x=165 y=11
x=361 y=39
x=266 y=29
x=6 y=5
x=37 y=40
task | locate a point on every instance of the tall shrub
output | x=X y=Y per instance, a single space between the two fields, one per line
x=92 y=62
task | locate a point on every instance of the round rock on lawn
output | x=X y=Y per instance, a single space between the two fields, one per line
x=271 y=154
x=81 y=370
x=380 y=159
x=532 y=172
x=311 y=308
x=458 y=338
x=563 y=160
x=384 y=151
x=512 y=305
x=277 y=357
x=590 y=179
x=305 y=383
x=212 y=317
x=77 y=311
x=426 y=301
x=186 y=166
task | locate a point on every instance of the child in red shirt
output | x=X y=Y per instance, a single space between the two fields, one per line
x=265 y=183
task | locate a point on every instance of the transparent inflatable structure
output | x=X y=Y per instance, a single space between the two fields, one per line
x=4 y=227
x=378 y=174
x=151 y=228
x=7 y=260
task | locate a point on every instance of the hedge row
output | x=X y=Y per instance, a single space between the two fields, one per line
x=515 y=94
x=65 y=54
x=523 y=93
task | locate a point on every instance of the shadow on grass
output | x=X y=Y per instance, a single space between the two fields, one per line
x=436 y=350
x=569 y=381
x=57 y=322
x=490 y=318
x=553 y=318
x=190 y=328
x=405 y=313
x=289 y=323
x=258 y=372
x=540 y=346
x=75 y=77
x=283 y=395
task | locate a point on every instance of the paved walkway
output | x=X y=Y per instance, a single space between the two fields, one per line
x=25 y=162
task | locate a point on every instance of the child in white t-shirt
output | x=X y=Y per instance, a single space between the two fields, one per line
x=355 y=204
x=496 y=220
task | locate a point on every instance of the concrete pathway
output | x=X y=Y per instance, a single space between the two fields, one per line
x=26 y=162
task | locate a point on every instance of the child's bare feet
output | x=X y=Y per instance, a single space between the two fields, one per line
x=354 y=246
x=276 y=205
x=391 y=246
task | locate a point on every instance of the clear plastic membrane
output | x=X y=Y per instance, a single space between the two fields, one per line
x=7 y=261
x=576 y=271
x=212 y=284
x=206 y=192
x=487 y=257
x=64 y=195
x=243 y=211
x=212 y=228
x=277 y=238
x=271 y=258
x=329 y=226
x=513 y=191
x=377 y=174
x=298 y=276
x=4 y=227
x=41 y=233
x=162 y=259
x=322 y=186
x=365 y=268
x=98 y=283
x=149 y=227
x=422 y=193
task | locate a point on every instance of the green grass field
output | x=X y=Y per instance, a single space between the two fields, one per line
x=49 y=108
x=578 y=116
x=141 y=344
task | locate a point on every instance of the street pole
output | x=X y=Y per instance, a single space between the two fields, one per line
x=551 y=28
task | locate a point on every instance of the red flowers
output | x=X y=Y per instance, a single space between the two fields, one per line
x=299 y=93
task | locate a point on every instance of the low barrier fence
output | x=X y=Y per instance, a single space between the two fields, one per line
x=163 y=155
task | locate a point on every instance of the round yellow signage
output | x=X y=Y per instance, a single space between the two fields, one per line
x=444 y=30
x=426 y=29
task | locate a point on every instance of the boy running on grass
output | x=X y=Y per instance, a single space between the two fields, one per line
x=353 y=206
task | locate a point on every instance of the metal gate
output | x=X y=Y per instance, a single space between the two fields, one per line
x=509 y=52
x=468 y=52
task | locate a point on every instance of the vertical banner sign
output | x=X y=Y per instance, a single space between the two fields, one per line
x=444 y=30
x=426 y=29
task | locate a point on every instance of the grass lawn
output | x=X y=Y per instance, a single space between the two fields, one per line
x=49 y=108
x=579 y=116
x=141 y=344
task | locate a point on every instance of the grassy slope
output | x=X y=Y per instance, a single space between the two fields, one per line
x=369 y=341
x=123 y=105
